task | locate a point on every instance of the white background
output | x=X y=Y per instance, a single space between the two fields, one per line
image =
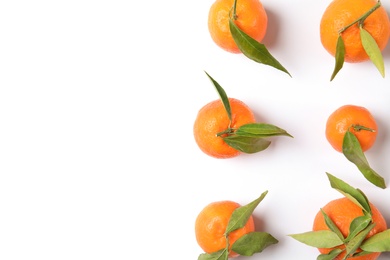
x=97 y=104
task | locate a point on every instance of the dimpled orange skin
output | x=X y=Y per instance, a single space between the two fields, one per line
x=213 y=119
x=342 y=211
x=211 y=223
x=341 y=13
x=251 y=18
x=343 y=118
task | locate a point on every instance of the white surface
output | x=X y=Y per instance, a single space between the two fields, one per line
x=97 y=103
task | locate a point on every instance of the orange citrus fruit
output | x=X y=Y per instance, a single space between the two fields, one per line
x=213 y=119
x=352 y=118
x=211 y=223
x=341 y=13
x=251 y=19
x=342 y=211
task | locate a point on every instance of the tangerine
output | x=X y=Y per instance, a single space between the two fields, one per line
x=211 y=223
x=213 y=119
x=251 y=18
x=356 y=119
x=340 y=14
x=342 y=211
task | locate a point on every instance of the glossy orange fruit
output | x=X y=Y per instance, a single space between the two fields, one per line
x=341 y=13
x=352 y=118
x=211 y=223
x=213 y=119
x=342 y=211
x=251 y=18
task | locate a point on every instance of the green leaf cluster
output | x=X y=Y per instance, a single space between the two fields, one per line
x=369 y=45
x=248 y=244
x=248 y=138
x=353 y=152
x=358 y=230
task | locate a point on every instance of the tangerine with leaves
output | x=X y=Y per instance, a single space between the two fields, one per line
x=226 y=229
x=212 y=119
x=251 y=18
x=356 y=119
x=227 y=127
x=355 y=31
x=342 y=212
x=211 y=224
x=352 y=130
x=239 y=26
x=350 y=227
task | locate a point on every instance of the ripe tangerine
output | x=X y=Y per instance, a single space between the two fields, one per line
x=352 y=118
x=342 y=211
x=211 y=223
x=341 y=13
x=213 y=119
x=251 y=18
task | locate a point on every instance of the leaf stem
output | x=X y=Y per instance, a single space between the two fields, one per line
x=361 y=19
x=227 y=243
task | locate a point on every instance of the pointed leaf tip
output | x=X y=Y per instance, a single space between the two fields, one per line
x=339 y=57
x=223 y=96
x=373 y=51
x=253 y=49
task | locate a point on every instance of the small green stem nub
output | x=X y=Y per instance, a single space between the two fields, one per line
x=361 y=19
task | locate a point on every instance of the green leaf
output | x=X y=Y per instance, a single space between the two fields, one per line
x=361 y=253
x=260 y=130
x=253 y=49
x=355 y=195
x=358 y=224
x=356 y=241
x=331 y=225
x=339 y=57
x=319 y=239
x=220 y=255
x=354 y=153
x=247 y=144
x=222 y=94
x=331 y=255
x=352 y=149
x=254 y=242
x=372 y=50
x=379 y=242
x=241 y=215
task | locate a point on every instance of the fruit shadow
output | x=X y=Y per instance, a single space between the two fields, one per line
x=273 y=26
x=259 y=223
x=385 y=255
x=262 y=227
x=386 y=52
x=378 y=149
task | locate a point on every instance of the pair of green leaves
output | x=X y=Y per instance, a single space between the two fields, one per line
x=369 y=44
x=250 y=47
x=354 y=153
x=248 y=138
x=358 y=230
x=248 y=244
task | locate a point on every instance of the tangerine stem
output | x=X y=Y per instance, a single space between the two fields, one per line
x=234 y=10
x=227 y=132
x=361 y=19
x=357 y=128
